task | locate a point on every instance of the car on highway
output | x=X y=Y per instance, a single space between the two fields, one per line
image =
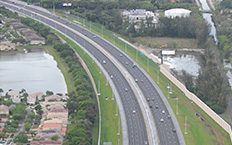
x=136 y=80
x=153 y=99
x=163 y=112
x=148 y=99
x=142 y=81
x=173 y=130
x=104 y=61
x=111 y=76
x=134 y=111
x=126 y=89
x=161 y=120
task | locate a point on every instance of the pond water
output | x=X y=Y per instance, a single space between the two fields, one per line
x=34 y=71
x=189 y=63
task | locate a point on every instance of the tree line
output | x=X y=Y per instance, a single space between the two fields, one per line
x=82 y=108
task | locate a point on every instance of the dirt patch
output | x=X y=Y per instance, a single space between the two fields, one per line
x=157 y=42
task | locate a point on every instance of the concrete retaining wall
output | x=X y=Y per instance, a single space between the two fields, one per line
x=196 y=100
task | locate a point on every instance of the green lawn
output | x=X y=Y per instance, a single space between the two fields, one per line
x=199 y=131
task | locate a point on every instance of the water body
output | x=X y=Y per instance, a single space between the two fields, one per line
x=34 y=71
x=208 y=18
x=189 y=63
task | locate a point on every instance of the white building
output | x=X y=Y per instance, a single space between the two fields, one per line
x=14 y=95
x=31 y=99
x=177 y=12
x=139 y=15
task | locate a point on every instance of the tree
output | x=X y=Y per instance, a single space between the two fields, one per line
x=21 y=138
x=55 y=137
x=27 y=126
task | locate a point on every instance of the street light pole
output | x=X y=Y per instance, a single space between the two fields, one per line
x=177 y=106
x=136 y=54
x=99 y=88
x=147 y=64
x=54 y=8
x=185 y=129
x=125 y=47
x=118 y=125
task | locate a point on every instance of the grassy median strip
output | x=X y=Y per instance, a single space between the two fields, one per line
x=200 y=128
x=108 y=107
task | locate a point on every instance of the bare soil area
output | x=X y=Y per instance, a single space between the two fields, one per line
x=157 y=42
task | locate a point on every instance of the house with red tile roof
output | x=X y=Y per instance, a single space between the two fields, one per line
x=55 y=126
x=46 y=142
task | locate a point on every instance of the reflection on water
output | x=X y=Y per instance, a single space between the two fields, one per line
x=35 y=71
x=189 y=63
x=229 y=74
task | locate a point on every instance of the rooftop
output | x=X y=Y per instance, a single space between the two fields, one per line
x=34 y=95
x=52 y=125
x=47 y=142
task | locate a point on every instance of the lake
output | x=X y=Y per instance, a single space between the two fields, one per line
x=34 y=71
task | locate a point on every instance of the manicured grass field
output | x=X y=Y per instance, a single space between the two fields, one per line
x=200 y=130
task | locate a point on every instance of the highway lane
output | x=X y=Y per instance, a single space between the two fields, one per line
x=136 y=124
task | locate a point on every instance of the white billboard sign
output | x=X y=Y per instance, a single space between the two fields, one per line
x=168 y=52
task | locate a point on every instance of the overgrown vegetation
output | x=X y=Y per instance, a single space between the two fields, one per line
x=80 y=103
x=209 y=86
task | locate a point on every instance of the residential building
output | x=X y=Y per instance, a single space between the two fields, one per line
x=4 y=109
x=54 y=126
x=46 y=142
x=14 y=95
x=53 y=98
x=6 y=46
x=31 y=99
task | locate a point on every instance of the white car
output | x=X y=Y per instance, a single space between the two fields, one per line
x=126 y=89
x=111 y=76
x=134 y=111
x=163 y=112
x=104 y=61
x=161 y=120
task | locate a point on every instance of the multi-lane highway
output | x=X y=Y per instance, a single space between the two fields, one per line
x=136 y=127
x=166 y=124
